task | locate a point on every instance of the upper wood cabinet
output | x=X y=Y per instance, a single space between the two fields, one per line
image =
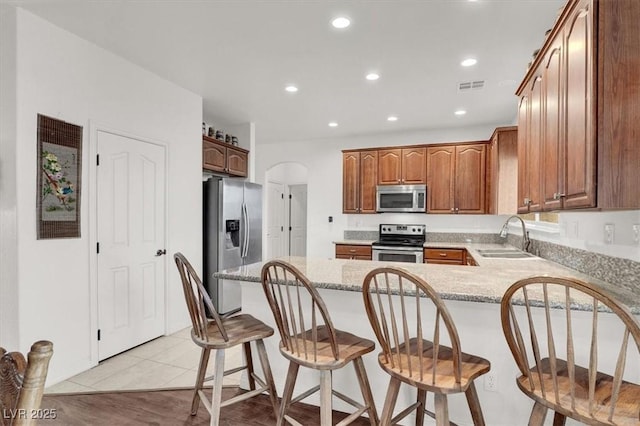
x=220 y=157
x=456 y=177
x=401 y=166
x=589 y=111
x=502 y=171
x=359 y=179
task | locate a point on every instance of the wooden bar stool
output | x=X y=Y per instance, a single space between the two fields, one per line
x=313 y=343
x=414 y=354
x=22 y=383
x=551 y=375
x=220 y=334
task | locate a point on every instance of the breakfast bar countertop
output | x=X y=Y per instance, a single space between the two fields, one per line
x=486 y=282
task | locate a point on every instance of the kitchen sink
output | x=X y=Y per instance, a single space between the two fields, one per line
x=505 y=254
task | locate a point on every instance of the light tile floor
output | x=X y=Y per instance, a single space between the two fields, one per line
x=166 y=362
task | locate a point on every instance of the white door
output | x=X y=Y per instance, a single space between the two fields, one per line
x=130 y=231
x=275 y=220
x=298 y=220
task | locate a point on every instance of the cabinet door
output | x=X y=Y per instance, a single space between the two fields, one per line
x=213 y=157
x=534 y=146
x=414 y=166
x=389 y=166
x=552 y=145
x=440 y=179
x=236 y=162
x=523 y=169
x=470 y=193
x=580 y=161
x=368 y=181
x=350 y=182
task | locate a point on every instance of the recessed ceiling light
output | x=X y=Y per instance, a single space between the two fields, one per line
x=469 y=62
x=372 y=76
x=333 y=124
x=291 y=89
x=460 y=112
x=392 y=118
x=341 y=22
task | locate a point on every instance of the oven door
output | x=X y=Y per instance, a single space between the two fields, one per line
x=398 y=254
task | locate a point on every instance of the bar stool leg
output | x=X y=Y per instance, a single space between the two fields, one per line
x=538 y=414
x=202 y=371
x=442 y=410
x=218 y=378
x=422 y=404
x=289 y=384
x=390 y=401
x=474 y=405
x=559 y=419
x=249 y=360
x=361 y=373
x=268 y=376
x=325 y=398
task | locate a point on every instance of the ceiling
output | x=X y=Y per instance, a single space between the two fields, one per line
x=239 y=56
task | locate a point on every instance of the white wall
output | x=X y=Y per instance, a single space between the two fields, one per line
x=323 y=159
x=63 y=76
x=8 y=237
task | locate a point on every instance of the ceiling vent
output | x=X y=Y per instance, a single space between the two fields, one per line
x=467 y=86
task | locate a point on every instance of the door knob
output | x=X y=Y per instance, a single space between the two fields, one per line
x=161 y=252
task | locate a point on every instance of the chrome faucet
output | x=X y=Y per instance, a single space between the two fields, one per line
x=525 y=234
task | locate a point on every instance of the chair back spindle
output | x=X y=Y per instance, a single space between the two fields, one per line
x=198 y=300
x=550 y=342
x=292 y=299
x=393 y=296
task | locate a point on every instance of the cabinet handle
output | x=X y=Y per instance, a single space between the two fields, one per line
x=443 y=254
x=453 y=209
x=352 y=250
x=526 y=201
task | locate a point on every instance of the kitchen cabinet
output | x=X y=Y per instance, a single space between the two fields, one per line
x=456 y=178
x=359 y=179
x=502 y=171
x=402 y=166
x=449 y=256
x=352 y=251
x=220 y=157
x=587 y=104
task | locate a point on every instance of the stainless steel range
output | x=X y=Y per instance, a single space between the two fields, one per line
x=400 y=243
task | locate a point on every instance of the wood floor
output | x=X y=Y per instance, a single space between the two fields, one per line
x=167 y=407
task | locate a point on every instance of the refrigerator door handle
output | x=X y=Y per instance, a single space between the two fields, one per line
x=245 y=243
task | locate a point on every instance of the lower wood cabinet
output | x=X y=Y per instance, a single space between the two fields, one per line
x=446 y=256
x=353 y=251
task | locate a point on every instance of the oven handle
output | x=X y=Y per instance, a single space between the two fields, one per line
x=397 y=249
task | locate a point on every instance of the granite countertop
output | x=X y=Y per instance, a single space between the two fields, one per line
x=486 y=282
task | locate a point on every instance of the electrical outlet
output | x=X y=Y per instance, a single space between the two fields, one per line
x=636 y=233
x=491 y=382
x=609 y=230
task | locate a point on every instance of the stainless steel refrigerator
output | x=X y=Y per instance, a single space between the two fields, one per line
x=232 y=235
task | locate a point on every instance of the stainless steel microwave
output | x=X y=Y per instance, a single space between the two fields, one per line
x=401 y=198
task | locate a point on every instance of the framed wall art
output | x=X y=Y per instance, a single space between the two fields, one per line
x=59 y=178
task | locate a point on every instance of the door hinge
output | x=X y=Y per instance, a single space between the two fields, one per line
x=97 y=247
x=290 y=196
x=282 y=229
x=98 y=334
x=290 y=228
x=282 y=196
x=97 y=159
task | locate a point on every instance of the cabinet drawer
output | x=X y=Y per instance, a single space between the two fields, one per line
x=353 y=250
x=443 y=262
x=444 y=254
